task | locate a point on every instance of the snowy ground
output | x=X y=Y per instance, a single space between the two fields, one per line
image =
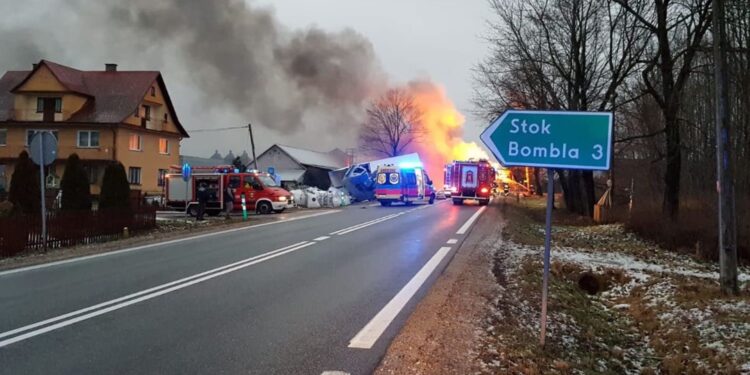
x=660 y=312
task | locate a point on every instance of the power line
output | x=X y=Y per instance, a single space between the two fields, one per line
x=216 y=129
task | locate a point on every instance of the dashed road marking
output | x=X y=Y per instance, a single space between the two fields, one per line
x=452 y=241
x=321 y=238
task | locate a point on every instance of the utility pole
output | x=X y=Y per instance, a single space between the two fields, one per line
x=724 y=176
x=252 y=146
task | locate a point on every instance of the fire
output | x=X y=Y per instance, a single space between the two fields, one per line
x=442 y=129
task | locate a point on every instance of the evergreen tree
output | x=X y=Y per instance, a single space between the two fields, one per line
x=24 y=185
x=76 y=192
x=237 y=163
x=115 y=188
x=217 y=155
x=229 y=158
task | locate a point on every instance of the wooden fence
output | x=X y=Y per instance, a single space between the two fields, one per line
x=68 y=228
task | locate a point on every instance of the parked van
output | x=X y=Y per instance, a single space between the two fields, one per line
x=406 y=184
x=259 y=189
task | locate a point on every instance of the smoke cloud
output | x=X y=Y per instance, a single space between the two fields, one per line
x=234 y=59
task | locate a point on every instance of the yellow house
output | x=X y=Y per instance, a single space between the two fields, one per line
x=103 y=116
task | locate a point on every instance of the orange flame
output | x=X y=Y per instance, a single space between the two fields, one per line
x=442 y=126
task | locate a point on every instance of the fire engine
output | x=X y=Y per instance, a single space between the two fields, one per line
x=470 y=180
x=260 y=191
x=407 y=183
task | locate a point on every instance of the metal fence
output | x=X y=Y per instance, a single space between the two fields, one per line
x=68 y=228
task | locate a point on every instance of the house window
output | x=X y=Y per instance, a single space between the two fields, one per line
x=30 y=135
x=153 y=91
x=88 y=138
x=134 y=175
x=162 y=177
x=3 y=137
x=166 y=117
x=147 y=112
x=135 y=143
x=41 y=103
x=163 y=146
x=136 y=114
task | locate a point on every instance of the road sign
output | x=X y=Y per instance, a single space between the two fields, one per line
x=187 y=170
x=43 y=148
x=551 y=139
x=271 y=170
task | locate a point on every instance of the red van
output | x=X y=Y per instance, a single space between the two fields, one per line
x=261 y=192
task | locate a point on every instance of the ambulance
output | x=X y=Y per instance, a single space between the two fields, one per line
x=405 y=183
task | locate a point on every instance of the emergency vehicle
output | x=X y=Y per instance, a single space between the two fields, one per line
x=259 y=189
x=473 y=179
x=403 y=183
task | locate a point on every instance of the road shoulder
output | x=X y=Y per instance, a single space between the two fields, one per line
x=441 y=334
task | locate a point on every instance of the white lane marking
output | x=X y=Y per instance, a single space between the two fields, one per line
x=367 y=337
x=321 y=238
x=341 y=233
x=471 y=220
x=452 y=241
x=170 y=242
x=366 y=223
x=373 y=205
x=144 y=295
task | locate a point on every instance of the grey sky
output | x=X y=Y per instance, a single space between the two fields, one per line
x=200 y=54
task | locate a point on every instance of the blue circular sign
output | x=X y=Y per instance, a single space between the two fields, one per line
x=271 y=170
x=187 y=171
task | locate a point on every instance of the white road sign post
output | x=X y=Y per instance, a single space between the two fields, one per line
x=551 y=139
x=43 y=149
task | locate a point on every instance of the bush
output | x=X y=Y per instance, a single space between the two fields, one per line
x=76 y=192
x=115 y=188
x=24 y=185
x=696 y=229
x=6 y=209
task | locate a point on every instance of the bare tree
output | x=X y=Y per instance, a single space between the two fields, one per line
x=392 y=125
x=559 y=54
x=677 y=29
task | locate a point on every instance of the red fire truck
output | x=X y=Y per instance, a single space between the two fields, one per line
x=261 y=192
x=470 y=180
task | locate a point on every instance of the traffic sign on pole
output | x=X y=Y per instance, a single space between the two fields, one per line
x=551 y=139
x=43 y=149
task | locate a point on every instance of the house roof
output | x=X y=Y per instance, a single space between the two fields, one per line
x=115 y=94
x=325 y=160
x=290 y=174
x=197 y=161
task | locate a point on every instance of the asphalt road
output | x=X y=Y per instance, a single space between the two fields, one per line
x=303 y=296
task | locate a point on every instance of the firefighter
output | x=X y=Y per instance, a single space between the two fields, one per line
x=202 y=196
x=228 y=200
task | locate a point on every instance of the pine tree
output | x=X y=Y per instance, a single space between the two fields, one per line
x=24 y=186
x=76 y=192
x=115 y=188
x=229 y=158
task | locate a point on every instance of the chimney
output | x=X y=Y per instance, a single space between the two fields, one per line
x=34 y=65
x=110 y=67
